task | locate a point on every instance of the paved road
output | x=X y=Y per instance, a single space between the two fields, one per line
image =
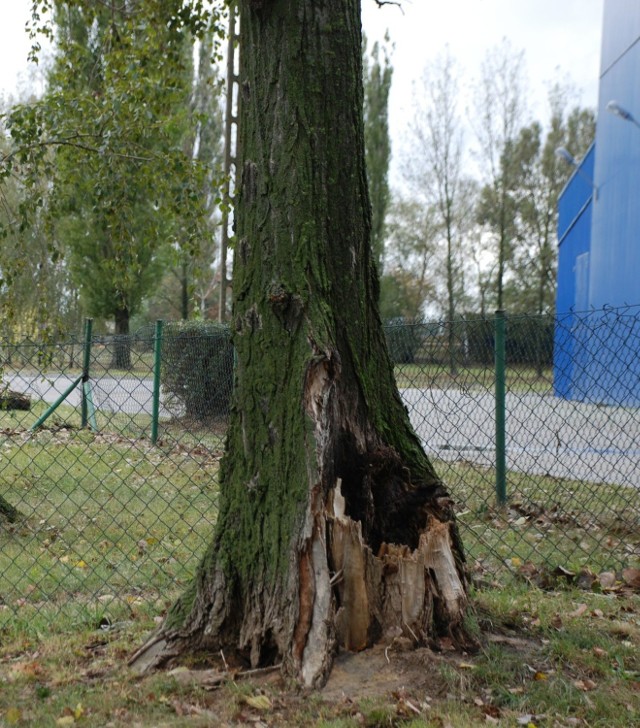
x=545 y=435
x=130 y=395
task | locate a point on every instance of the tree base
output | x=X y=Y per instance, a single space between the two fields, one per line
x=349 y=598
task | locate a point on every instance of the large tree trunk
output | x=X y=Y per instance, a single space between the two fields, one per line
x=334 y=528
x=122 y=342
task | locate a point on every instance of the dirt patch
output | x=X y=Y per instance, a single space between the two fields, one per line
x=382 y=670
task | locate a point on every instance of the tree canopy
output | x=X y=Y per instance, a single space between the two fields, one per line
x=116 y=159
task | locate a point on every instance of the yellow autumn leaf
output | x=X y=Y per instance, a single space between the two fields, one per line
x=65 y=721
x=13 y=716
x=79 y=711
x=259 y=702
x=80 y=564
x=540 y=676
x=515 y=561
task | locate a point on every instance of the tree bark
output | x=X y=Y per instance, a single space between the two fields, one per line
x=122 y=342
x=334 y=529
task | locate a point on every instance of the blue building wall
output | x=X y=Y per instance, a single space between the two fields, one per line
x=615 y=233
x=597 y=345
x=574 y=234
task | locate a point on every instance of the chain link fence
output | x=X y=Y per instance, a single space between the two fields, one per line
x=110 y=446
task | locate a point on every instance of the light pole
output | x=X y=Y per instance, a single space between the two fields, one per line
x=614 y=108
x=562 y=153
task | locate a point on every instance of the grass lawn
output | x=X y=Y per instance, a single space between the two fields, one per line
x=473 y=378
x=111 y=529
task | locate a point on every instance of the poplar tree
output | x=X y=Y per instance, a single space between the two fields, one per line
x=334 y=528
x=109 y=139
x=378 y=74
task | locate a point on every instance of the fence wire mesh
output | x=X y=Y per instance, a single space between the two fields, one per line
x=109 y=494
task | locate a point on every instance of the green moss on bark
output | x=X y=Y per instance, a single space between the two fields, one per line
x=315 y=400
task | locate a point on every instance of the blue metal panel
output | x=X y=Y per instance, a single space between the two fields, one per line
x=615 y=236
x=574 y=238
x=597 y=341
x=623 y=17
x=606 y=365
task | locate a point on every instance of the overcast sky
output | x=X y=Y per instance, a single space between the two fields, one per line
x=560 y=38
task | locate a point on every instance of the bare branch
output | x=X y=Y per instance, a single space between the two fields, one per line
x=382 y=3
x=69 y=142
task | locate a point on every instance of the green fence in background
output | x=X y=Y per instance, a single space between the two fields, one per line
x=109 y=477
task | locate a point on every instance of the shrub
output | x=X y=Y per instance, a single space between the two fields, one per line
x=404 y=338
x=197 y=368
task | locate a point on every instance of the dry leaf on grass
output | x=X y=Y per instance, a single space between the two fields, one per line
x=579 y=611
x=259 y=702
x=631 y=578
x=585 y=684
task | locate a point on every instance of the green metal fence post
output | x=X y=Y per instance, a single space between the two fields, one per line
x=86 y=360
x=55 y=405
x=157 y=358
x=501 y=469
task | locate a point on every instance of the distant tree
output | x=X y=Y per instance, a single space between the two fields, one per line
x=189 y=275
x=434 y=171
x=409 y=283
x=109 y=135
x=378 y=74
x=37 y=297
x=538 y=179
x=499 y=103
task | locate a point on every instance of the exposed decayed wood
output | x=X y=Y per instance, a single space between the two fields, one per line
x=349 y=555
x=391 y=593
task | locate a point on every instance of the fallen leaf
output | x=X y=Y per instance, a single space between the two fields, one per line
x=599 y=652
x=585 y=684
x=13 y=716
x=491 y=711
x=540 y=676
x=585 y=580
x=26 y=670
x=631 y=577
x=259 y=702
x=564 y=573
x=581 y=609
x=556 y=621
x=607 y=579
x=65 y=720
